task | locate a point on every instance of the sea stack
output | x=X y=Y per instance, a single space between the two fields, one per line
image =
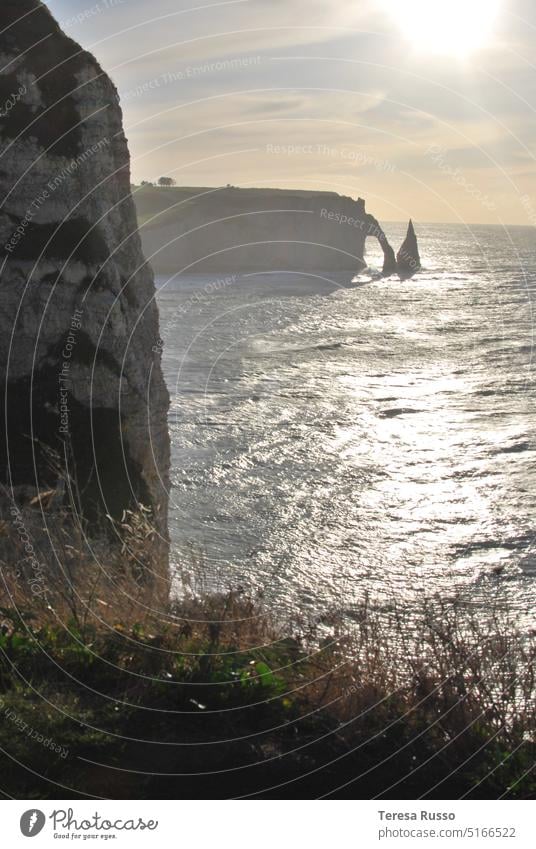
x=408 y=260
x=80 y=350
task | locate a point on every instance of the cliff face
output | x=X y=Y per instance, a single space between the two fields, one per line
x=212 y=230
x=79 y=343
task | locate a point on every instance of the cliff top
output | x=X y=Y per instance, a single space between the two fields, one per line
x=151 y=200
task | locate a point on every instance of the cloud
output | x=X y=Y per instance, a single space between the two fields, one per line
x=333 y=74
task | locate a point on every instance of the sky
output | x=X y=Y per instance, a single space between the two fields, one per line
x=425 y=108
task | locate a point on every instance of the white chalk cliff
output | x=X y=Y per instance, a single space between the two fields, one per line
x=79 y=348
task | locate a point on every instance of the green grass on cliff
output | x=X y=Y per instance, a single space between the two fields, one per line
x=216 y=704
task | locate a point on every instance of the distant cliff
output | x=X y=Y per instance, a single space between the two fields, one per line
x=230 y=229
x=79 y=344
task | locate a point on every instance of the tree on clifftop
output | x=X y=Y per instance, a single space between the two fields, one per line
x=166 y=181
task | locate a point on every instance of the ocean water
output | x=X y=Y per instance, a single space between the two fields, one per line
x=333 y=438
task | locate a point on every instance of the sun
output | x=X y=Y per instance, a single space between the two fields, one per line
x=446 y=27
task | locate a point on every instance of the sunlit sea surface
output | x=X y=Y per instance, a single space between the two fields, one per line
x=333 y=438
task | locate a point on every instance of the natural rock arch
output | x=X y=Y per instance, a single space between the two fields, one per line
x=374 y=230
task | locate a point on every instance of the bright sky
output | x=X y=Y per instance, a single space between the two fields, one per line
x=423 y=107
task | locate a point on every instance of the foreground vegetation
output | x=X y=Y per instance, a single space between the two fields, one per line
x=102 y=696
x=213 y=702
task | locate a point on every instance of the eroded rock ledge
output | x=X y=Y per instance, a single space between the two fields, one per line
x=82 y=386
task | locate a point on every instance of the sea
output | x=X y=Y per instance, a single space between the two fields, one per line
x=338 y=437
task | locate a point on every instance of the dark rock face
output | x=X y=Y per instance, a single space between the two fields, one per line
x=408 y=260
x=79 y=348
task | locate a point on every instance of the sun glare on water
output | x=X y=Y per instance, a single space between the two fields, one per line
x=446 y=27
